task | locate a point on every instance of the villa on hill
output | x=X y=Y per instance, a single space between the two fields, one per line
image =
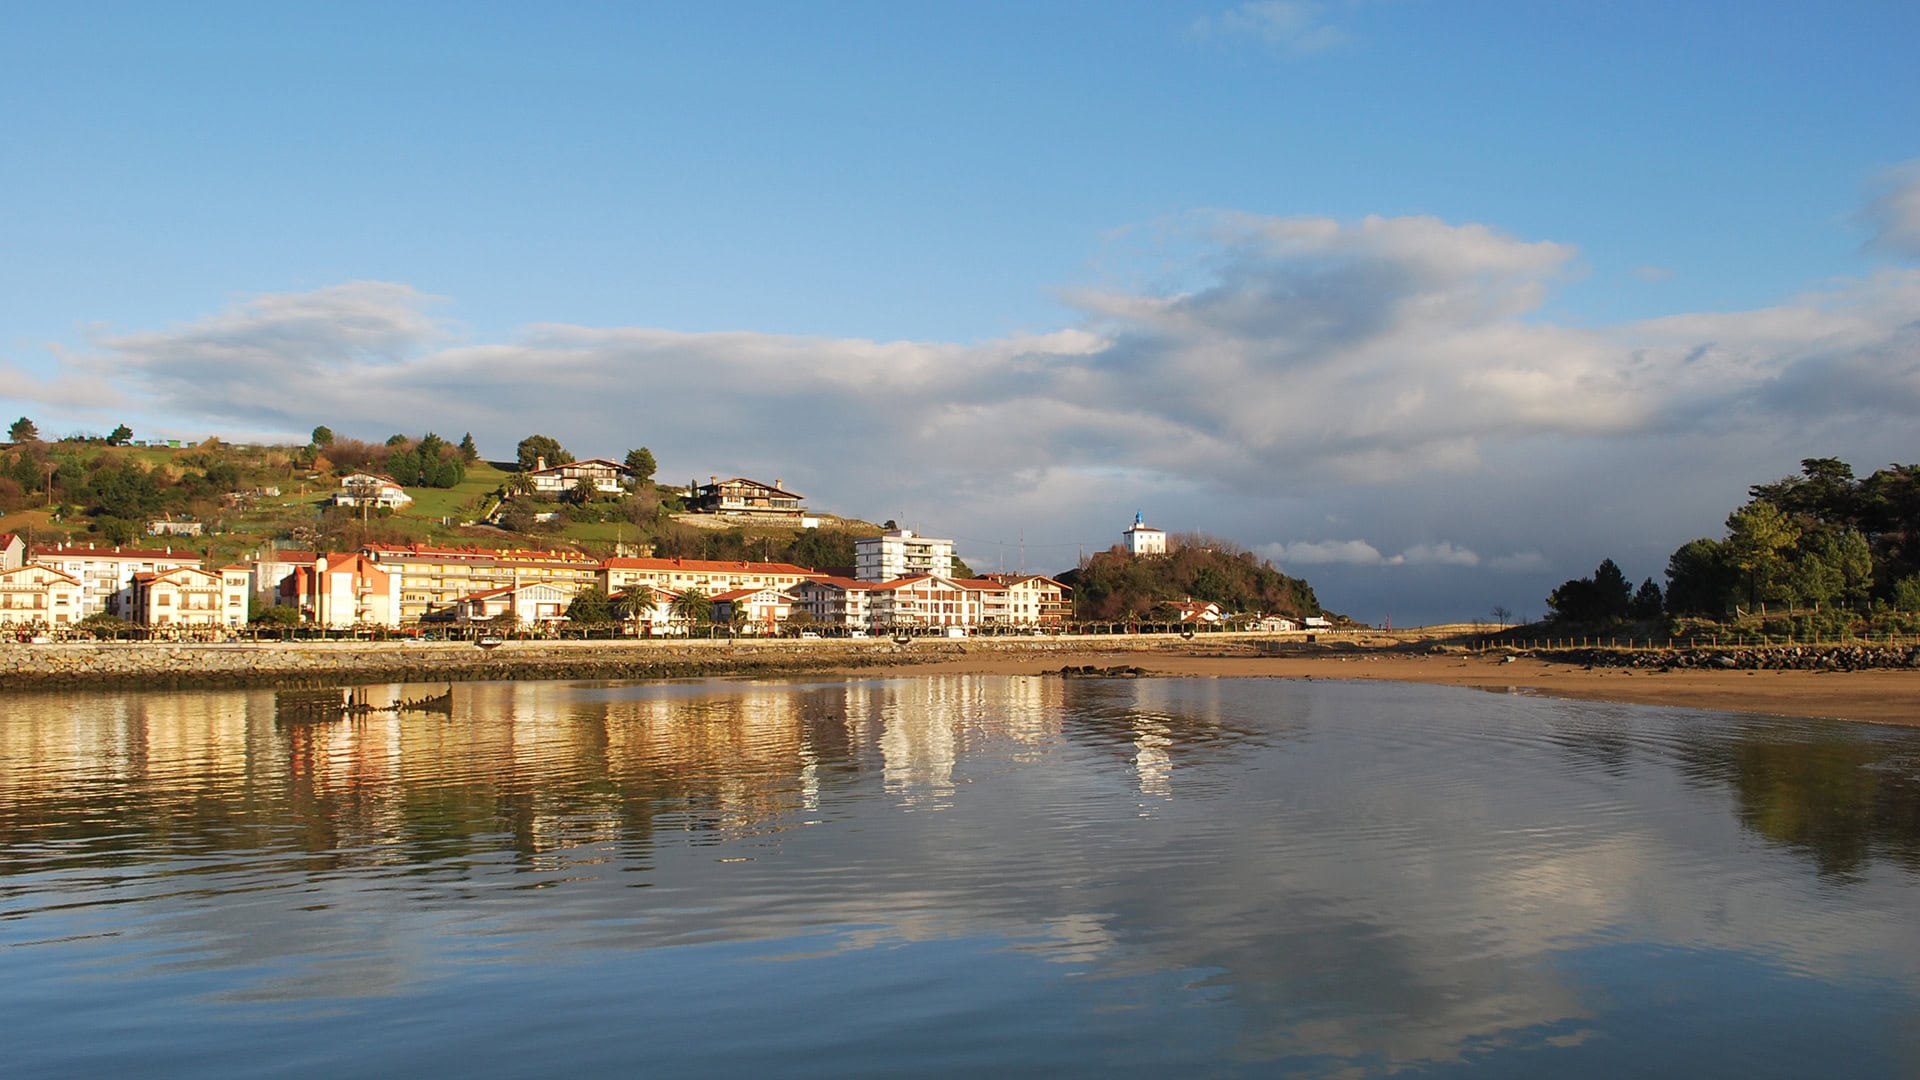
x=742 y=497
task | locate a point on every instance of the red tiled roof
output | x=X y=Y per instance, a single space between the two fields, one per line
x=839 y=582
x=711 y=566
x=42 y=569
x=63 y=551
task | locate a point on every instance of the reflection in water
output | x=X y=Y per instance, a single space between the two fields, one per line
x=1133 y=875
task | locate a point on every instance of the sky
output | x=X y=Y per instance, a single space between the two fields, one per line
x=1434 y=304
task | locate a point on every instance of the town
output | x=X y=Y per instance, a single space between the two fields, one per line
x=900 y=583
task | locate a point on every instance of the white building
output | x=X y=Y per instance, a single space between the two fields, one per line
x=107 y=573
x=37 y=596
x=607 y=477
x=1141 y=540
x=898 y=553
x=836 y=602
x=383 y=492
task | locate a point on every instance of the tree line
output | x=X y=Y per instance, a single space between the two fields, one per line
x=1823 y=538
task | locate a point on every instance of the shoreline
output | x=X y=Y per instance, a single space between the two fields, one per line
x=1881 y=695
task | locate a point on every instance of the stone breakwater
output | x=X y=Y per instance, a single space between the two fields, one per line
x=120 y=664
x=91 y=665
x=1771 y=658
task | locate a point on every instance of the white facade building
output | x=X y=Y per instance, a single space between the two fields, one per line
x=898 y=553
x=1142 y=540
x=107 y=573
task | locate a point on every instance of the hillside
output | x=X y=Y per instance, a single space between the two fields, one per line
x=1115 y=585
x=247 y=498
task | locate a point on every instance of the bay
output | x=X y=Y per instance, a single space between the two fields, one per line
x=953 y=875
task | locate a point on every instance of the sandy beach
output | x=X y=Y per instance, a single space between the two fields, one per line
x=1880 y=696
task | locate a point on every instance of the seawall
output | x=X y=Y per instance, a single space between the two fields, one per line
x=90 y=665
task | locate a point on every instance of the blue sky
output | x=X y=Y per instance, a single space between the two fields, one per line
x=1414 y=278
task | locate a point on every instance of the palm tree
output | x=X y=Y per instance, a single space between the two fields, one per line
x=691 y=607
x=519 y=483
x=636 y=603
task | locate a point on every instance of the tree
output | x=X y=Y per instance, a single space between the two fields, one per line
x=121 y=436
x=323 y=436
x=1757 y=533
x=517 y=517
x=469 y=450
x=1647 y=603
x=276 y=616
x=23 y=431
x=116 y=530
x=1614 y=590
x=635 y=604
x=738 y=616
x=1700 y=579
x=518 y=483
x=584 y=491
x=641 y=464
x=1502 y=615
x=535 y=448
x=590 y=608
x=690 y=607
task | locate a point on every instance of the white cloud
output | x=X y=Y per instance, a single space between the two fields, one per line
x=1396 y=371
x=1295 y=26
x=1893 y=215
x=1323 y=552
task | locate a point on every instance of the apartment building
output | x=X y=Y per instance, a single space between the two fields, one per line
x=836 y=602
x=709 y=576
x=37 y=596
x=929 y=601
x=434 y=579
x=342 y=592
x=191 y=598
x=898 y=553
x=764 y=608
x=106 y=573
x=1033 y=600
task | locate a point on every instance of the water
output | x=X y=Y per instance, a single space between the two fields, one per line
x=953 y=875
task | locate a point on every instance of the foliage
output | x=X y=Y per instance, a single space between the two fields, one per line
x=1647 y=602
x=635 y=603
x=275 y=616
x=640 y=462
x=1114 y=585
x=1604 y=597
x=102 y=625
x=590 y=608
x=1822 y=537
x=430 y=462
x=116 y=530
x=122 y=489
x=323 y=436
x=23 y=430
x=469 y=450
x=121 y=436
x=692 y=606
x=533 y=448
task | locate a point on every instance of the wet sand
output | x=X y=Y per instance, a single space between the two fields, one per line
x=1878 y=696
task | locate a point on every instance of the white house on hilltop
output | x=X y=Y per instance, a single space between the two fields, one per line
x=1142 y=540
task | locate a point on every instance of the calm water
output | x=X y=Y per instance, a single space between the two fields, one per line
x=954 y=875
